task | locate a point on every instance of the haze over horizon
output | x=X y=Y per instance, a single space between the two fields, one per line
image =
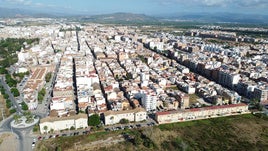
x=148 y=7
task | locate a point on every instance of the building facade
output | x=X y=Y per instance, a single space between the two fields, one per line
x=114 y=117
x=200 y=113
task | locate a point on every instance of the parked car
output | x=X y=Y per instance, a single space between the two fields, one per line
x=64 y=135
x=107 y=129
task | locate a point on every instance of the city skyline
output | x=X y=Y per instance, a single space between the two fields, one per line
x=149 y=7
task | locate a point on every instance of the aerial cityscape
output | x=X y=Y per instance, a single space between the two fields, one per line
x=122 y=75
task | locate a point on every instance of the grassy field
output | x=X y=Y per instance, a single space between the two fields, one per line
x=4 y=108
x=244 y=132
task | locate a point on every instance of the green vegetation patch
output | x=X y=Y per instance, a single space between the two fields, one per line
x=193 y=98
x=48 y=76
x=94 y=120
x=10 y=46
x=41 y=95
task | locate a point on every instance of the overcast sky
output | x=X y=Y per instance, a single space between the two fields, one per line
x=149 y=7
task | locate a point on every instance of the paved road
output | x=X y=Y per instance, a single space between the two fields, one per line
x=5 y=127
x=23 y=135
x=11 y=97
x=42 y=109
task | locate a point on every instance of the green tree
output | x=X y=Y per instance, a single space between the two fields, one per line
x=41 y=95
x=28 y=115
x=3 y=71
x=15 y=92
x=11 y=111
x=124 y=121
x=94 y=120
x=48 y=76
x=6 y=96
x=45 y=128
x=137 y=138
x=72 y=128
x=24 y=106
x=35 y=128
x=8 y=103
x=16 y=118
x=10 y=81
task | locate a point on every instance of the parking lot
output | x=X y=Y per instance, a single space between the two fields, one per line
x=62 y=134
x=87 y=131
x=129 y=126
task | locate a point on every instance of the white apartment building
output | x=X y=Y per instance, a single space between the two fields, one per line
x=56 y=124
x=200 y=113
x=149 y=100
x=114 y=117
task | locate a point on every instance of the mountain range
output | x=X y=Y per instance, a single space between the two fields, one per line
x=141 y=18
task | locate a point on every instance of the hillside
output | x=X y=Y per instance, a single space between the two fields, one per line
x=220 y=17
x=120 y=18
x=8 y=12
x=245 y=132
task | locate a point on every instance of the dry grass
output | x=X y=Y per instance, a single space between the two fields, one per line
x=244 y=132
x=3 y=137
x=3 y=106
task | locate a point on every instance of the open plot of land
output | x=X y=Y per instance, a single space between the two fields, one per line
x=3 y=108
x=8 y=142
x=244 y=132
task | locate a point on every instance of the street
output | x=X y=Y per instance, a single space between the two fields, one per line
x=11 y=97
x=23 y=134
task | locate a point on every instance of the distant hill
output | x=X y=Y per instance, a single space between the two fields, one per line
x=8 y=12
x=15 y=12
x=218 y=17
x=120 y=18
x=126 y=18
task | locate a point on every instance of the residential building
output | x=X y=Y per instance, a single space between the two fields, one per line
x=200 y=113
x=135 y=115
x=64 y=123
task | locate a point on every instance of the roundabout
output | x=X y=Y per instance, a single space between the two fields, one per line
x=24 y=121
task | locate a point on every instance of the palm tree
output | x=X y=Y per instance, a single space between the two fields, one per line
x=16 y=117
x=45 y=128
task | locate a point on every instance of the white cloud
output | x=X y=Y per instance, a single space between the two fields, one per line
x=19 y=2
x=215 y=2
x=29 y=3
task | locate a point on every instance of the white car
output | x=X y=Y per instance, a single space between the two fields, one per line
x=33 y=144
